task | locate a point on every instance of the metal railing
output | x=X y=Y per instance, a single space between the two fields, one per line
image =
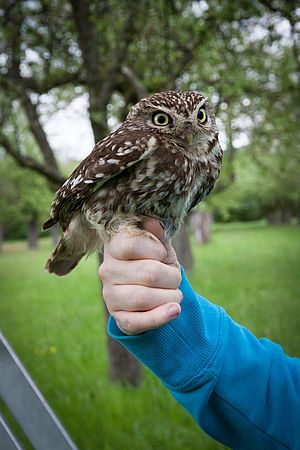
x=28 y=407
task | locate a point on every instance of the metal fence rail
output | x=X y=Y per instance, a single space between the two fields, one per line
x=29 y=408
x=7 y=439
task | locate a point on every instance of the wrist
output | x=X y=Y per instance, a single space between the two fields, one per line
x=182 y=351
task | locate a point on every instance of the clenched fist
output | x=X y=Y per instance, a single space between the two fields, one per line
x=140 y=277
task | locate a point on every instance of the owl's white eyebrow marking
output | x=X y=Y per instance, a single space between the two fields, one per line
x=202 y=102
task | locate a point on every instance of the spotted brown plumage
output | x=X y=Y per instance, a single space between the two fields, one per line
x=161 y=162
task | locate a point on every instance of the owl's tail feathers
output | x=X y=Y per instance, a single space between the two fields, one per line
x=63 y=259
x=77 y=241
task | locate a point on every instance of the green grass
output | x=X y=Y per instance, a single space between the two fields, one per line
x=56 y=326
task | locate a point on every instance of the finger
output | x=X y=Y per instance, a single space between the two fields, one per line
x=142 y=272
x=132 y=323
x=126 y=246
x=138 y=298
x=154 y=226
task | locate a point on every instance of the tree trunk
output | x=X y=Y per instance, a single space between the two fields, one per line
x=122 y=366
x=32 y=233
x=201 y=223
x=286 y=215
x=182 y=247
x=273 y=217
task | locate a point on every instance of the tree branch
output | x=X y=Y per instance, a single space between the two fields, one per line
x=37 y=129
x=58 y=80
x=26 y=161
x=135 y=82
x=99 y=87
x=14 y=82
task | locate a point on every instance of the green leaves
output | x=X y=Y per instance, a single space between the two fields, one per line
x=24 y=194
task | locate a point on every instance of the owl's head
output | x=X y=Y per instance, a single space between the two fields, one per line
x=186 y=116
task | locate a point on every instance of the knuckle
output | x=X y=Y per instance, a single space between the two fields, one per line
x=127 y=248
x=103 y=271
x=138 y=299
x=151 y=275
x=130 y=324
x=163 y=252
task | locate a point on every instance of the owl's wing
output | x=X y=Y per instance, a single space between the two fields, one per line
x=111 y=156
x=200 y=195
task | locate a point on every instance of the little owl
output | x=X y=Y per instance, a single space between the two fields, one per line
x=162 y=161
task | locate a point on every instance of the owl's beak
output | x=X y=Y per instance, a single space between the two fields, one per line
x=190 y=137
x=189 y=131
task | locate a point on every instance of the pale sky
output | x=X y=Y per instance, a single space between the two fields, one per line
x=69 y=131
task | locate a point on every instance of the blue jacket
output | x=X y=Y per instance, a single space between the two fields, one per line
x=243 y=391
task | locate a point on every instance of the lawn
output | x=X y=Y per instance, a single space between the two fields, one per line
x=56 y=326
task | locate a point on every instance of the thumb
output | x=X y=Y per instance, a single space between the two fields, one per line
x=154 y=226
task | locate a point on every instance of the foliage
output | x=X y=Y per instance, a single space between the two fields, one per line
x=119 y=51
x=55 y=326
x=24 y=195
x=258 y=188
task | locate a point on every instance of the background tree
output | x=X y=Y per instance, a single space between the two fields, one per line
x=24 y=201
x=116 y=52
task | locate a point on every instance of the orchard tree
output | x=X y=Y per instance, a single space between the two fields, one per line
x=24 y=199
x=119 y=51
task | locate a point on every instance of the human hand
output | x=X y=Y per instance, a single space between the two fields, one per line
x=140 y=279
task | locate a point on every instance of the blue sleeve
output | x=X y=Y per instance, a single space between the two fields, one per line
x=243 y=391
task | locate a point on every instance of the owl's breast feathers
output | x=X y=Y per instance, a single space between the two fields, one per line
x=136 y=175
x=165 y=185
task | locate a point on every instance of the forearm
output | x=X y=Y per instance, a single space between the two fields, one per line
x=227 y=379
x=255 y=401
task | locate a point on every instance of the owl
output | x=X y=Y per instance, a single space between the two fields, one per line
x=163 y=160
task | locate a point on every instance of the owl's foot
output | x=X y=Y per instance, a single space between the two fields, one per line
x=135 y=226
x=137 y=231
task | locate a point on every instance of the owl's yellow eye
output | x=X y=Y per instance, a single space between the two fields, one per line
x=202 y=116
x=161 y=118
